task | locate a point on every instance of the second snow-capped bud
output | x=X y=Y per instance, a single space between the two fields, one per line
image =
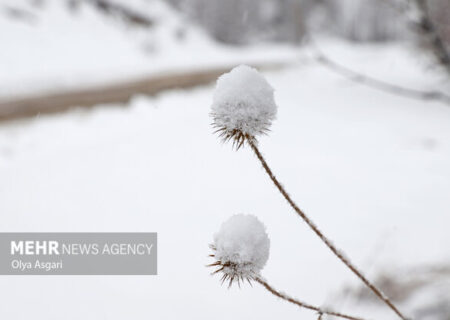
x=241 y=248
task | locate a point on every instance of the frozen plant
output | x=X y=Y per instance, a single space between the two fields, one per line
x=243 y=108
x=243 y=105
x=241 y=250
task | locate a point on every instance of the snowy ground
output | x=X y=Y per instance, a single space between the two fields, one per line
x=371 y=169
x=53 y=48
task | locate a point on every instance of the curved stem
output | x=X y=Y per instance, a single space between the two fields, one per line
x=327 y=242
x=303 y=304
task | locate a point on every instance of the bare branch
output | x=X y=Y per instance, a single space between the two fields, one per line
x=376 y=83
x=428 y=29
x=127 y=14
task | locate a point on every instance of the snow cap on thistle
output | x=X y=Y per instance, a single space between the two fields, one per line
x=241 y=248
x=243 y=105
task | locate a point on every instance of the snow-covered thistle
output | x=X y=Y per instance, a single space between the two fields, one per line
x=243 y=108
x=241 y=248
x=243 y=105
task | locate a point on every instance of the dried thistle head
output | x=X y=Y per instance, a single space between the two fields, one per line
x=240 y=248
x=243 y=105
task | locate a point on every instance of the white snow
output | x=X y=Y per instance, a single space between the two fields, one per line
x=60 y=49
x=242 y=246
x=371 y=169
x=244 y=101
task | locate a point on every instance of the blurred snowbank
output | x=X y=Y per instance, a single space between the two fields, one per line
x=53 y=47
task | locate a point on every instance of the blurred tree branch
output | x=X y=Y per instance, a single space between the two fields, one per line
x=122 y=11
x=428 y=30
x=374 y=83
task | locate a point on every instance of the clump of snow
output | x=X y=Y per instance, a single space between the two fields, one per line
x=241 y=247
x=243 y=101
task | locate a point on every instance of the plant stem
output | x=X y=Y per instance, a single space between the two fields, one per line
x=313 y=226
x=302 y=304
